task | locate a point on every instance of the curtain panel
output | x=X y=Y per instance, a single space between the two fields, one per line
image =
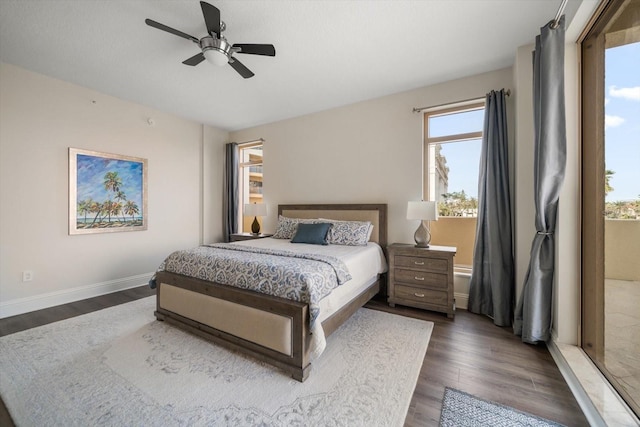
x=533 y=317
x=491 y=288
x=231 y=192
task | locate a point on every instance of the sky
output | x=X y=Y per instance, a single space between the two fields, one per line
x=622 y=131
x=91 y=171
x=622 y=121
x=463 y=158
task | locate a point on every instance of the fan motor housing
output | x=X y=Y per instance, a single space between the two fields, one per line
x=221 y=44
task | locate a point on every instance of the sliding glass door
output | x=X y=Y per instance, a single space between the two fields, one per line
x=611 y=196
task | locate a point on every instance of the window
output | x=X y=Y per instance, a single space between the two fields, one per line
x=452 y=144
x=249 y=180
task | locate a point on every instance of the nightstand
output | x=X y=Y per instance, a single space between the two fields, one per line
x=247 y=236
x=421 y=277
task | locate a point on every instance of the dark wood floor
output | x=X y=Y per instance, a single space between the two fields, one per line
x=471 y=354
x=468 y=353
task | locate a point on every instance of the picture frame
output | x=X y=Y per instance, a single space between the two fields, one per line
x=107 y=192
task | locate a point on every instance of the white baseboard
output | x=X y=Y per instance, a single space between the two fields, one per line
x=38 y=302
x=462 y=300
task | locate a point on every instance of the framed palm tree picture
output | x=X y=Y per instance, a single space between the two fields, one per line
x=107 y=192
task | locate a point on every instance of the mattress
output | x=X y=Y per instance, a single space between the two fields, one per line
x=365 y=263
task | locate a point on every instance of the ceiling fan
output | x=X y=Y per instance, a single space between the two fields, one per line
x=214 y=46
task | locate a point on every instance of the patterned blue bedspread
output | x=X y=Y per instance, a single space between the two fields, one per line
x=302 y=277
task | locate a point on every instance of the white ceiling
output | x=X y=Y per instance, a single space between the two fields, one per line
x=328 y=53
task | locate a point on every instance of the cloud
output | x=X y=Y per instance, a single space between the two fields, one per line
x=630 y=93
x=612 y=121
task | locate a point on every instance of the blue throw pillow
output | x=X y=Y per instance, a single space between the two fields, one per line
x=315 y=234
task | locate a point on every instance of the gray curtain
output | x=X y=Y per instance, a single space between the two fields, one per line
x=231 y=194
x=491 y=289
x=533 y=314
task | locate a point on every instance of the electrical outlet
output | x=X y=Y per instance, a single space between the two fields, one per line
x=27 y=276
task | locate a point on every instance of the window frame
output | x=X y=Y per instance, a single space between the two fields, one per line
x=429 y=142
x=242 y=182
x=464 y=260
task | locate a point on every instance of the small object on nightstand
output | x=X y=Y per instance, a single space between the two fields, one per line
x=421 y=277
x=255 y=210
x=425 y=211
x=237 y=237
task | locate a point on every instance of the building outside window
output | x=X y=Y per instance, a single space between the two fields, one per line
x=249 y=180
x=452 y=145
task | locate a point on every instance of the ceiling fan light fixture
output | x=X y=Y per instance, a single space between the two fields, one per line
x=214 y=47
x=216 y=57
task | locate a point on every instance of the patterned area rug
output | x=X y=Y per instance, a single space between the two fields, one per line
x=119 y=366
x=460 y=409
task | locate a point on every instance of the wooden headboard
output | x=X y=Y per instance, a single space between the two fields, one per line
x=376 y=213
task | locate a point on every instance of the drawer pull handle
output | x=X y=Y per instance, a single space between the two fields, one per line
x=419 y=295
x=418 y=278
x=418 y=262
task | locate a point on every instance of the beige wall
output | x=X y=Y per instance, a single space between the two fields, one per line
x=524 y=205
x=366 y=152
x=40 y=118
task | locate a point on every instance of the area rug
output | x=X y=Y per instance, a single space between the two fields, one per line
x=460 y=409
x=119 y=366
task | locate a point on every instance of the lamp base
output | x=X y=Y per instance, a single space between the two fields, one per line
x=422 y=235
x=255 y=226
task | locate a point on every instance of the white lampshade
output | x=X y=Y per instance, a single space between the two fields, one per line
x=216 y=57
x=255 y=209
x=422 y=210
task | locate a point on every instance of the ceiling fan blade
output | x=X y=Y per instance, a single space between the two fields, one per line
x=256 y=49
x=211 y=18
x=163 y=27
x=240 y=68
x=194 y=60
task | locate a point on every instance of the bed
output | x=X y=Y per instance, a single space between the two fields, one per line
x=271 y=328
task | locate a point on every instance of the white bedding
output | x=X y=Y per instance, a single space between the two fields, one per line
x=364 y=264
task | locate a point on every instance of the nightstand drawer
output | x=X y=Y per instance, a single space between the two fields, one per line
x=421 y=263
x=425 y=296
x=420 y=278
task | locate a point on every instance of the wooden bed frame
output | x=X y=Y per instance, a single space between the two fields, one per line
x=271 y=329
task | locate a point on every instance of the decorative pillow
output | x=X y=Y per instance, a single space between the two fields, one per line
x=287 y=227
x=315 y=234
x=349 y=233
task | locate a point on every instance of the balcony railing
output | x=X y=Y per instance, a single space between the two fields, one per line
x=622 y=249
x=456 y=231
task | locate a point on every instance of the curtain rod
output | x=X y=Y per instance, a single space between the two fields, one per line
x=556 y=20
x=419 y=110
x=249 y=142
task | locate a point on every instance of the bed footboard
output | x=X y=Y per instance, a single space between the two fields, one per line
x=269 y=328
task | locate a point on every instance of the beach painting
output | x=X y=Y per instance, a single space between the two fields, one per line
x=107 y=192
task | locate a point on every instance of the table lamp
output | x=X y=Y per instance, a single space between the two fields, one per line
x=425 y=211
x=255 y=210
